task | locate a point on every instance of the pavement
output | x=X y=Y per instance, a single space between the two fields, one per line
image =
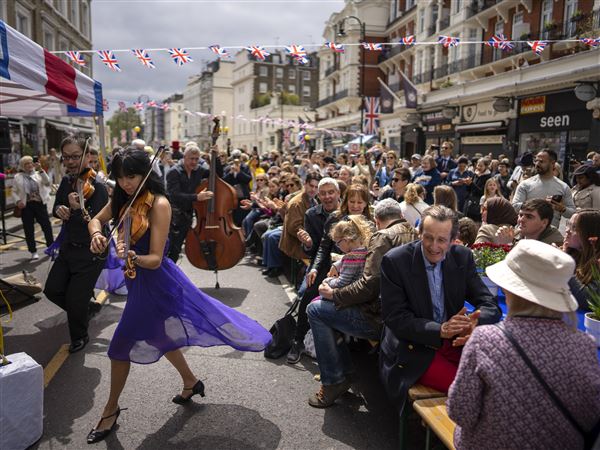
x=251 y=402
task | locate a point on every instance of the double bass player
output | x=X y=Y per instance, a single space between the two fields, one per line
x=182 y=182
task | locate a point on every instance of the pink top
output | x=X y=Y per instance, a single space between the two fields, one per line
x=496 y=401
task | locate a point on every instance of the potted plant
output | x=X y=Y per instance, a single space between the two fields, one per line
x=549 y=25
x=577 y=16
x=592 y=318
x=487 y=254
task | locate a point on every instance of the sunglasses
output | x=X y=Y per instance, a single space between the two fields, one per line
x=395 y=179
x=291 y=185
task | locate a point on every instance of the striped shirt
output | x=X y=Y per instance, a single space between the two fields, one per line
x=350 y=269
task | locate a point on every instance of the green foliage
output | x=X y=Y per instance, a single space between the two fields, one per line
x=487 y=254
x=290 y=99
x=593 y=291
x=123 y=120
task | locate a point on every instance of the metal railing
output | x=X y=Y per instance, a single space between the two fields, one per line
x=332 y=98
x=440 y=72
x=478 y=6
x=463 y=64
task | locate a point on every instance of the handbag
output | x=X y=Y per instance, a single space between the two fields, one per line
x=589 y=437
x=17 y=212
x=283 y=331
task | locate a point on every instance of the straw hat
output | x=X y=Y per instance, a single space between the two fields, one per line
x=538 y=273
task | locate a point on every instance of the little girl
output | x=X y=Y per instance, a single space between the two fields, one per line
x=351 y=237
x=490 y=190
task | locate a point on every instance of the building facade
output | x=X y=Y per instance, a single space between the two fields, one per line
x=173 y=119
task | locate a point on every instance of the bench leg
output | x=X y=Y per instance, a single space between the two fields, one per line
x=427 y=438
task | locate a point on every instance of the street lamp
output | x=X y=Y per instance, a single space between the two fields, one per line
x=341 y=33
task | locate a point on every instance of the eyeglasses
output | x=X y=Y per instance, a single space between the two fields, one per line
x=291 y=185
x=445 y=148
x=339 y=241
x=261 y=179
x=71 y=157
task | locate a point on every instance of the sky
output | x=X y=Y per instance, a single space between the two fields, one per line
x=124 y=24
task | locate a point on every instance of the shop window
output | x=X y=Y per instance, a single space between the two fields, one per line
x=292 y=74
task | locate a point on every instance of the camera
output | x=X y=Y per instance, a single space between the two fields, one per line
x=36 y=159
x=557 y=198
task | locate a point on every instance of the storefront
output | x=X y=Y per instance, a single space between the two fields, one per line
x=482 y=130
x=437 y=129
x=559 y=122
x=412 y=141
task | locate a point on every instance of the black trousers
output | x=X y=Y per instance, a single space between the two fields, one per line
x=36 y=211
x=178 y=230
x=70 y=285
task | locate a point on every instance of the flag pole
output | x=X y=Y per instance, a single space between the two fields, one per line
x=387 y=88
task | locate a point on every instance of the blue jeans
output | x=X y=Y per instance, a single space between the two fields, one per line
x=272 y=256
x=250 y=220
x=334 y=360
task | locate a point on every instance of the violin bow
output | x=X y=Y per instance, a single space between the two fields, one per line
x=79 y=183
x=133 y=197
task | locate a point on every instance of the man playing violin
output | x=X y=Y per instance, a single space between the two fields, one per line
x=182 y=181
x=70 y=283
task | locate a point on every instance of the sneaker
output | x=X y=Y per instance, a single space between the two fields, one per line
x=327 y=395
x=295 y=353
x=78 y=344
x=35 y=256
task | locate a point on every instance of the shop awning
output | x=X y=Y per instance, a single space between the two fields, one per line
x=34 y=82
x=483 y=126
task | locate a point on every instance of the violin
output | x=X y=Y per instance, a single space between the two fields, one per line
x=85 y=179
x=134 y=226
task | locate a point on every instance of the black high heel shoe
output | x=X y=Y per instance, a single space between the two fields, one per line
x=197 y=389
x=99 y=435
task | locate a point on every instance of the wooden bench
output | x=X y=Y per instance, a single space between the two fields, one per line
x=416 y=392
x=434 y=414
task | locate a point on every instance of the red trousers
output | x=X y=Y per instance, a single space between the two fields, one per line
x=441 y=372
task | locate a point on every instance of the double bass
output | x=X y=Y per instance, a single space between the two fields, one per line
x=215 y=242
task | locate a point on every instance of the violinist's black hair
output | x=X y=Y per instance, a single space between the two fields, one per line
x=76 y=139
x=132 y=161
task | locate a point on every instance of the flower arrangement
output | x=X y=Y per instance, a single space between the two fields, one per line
x=487 y=254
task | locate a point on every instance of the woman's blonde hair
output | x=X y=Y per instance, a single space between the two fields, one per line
x=486 y=188
x=411 y=193
x=355 y=228
x=24 y=160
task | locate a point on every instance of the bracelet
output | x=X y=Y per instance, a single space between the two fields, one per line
x=134 y=258
x=95 y=233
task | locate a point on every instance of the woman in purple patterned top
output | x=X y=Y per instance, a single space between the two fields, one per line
x=495 y=400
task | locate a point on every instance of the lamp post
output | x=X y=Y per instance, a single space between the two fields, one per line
x=341 y=32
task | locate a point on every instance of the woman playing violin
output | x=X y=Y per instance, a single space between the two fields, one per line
x=70 y=283
x=164 y=310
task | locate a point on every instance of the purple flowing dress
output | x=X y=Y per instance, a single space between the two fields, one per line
x=165 y=311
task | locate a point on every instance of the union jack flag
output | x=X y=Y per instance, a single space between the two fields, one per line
x=105 y=105
x=122 y=107
x=220 y=52
x=372 y=46
x=298 y=53
x=537 y=46
x=76 y=58
x=108 y=58
x=180 y=56
x=500 y=41
x=143 y=56
x=408 y=40
x=448 y=41
x=139 y=106
x=164 y=106
x=591 y=42
x=371 y=118
x=337 y=48
x=151 y=104
x=258 y=52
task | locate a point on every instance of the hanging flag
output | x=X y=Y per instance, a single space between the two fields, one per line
x=410 y=91
x=258 y=52
x=122 y=107
x=151 y=104
x=165 y=106
x=372 y=46
x=139 y=106
x=537 y=46
x=108 y=58
x=408 y=40
x=220 y=52
x=590 y=42
x=105 y=105
x=448 y=41
x=76 y=58
x=336 y=48
x=386 y=98
x=500 y=41
x=298 y=53
x=143 y=57
x=371 y=117
x=180 y=56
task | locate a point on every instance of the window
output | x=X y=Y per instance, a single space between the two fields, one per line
x=262 y=88
x=292 y=74
x=455 y=7
x=306 y=76
x=23 y=20
x=499 y=29
x=276 y=59
x=279 y=87
x=263 y=71
x=292 y=89
x=74 y=13
x=546 y=18
x=306 y=91
x=279 y=72
x=570 y=28
x=421 y=21
x=61 y=6
x=85 y=19
x=409 y=4
x=48 y=37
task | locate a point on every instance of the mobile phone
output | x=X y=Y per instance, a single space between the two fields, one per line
x=36 y=159
x=557 y=198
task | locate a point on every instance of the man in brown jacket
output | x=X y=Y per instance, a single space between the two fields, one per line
x=294 y=217
x=354 y=309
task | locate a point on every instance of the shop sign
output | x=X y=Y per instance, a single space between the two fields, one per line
x=493 y=139
x=533 y=105
x=482 y=112
x=572 y=120
x=434 y=117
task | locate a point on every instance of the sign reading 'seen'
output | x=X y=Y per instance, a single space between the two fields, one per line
x=533 y=105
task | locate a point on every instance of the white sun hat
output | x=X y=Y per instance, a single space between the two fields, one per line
x=538 y=273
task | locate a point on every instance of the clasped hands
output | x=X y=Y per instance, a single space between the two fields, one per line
x=460 y=326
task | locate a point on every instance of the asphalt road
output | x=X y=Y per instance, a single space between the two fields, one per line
x=250 y=403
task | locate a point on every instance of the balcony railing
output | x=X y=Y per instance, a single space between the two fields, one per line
x=331 y=69
x=478 y=6
x=440 y=72
x=332 y=98
x=431 y=30
x=463 y=64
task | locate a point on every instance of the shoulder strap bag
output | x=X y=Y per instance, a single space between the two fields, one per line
x=283 y=331
x=589 y=437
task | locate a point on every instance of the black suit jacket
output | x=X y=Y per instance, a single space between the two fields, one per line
x=411 y=337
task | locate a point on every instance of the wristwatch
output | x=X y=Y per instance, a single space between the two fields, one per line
x=134 y=258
